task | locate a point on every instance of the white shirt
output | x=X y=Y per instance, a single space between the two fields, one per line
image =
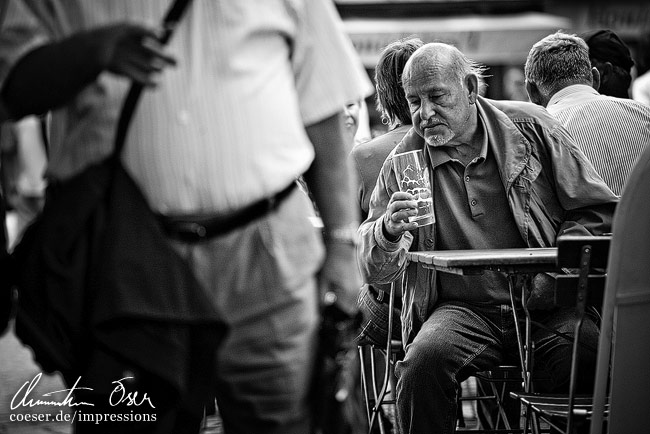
x=226 y=126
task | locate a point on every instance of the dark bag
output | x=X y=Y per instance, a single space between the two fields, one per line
x=96 y=275
x=337 y=404
x=93 y=262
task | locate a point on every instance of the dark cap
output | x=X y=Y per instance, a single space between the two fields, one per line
x=606 y=46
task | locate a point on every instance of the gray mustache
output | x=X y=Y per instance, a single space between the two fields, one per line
x=430 y=123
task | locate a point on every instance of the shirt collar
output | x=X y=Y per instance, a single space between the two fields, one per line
x=571 y=91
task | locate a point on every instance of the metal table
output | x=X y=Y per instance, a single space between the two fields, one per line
x=511 y=262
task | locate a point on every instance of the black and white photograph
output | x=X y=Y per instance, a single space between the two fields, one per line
x=324 y=216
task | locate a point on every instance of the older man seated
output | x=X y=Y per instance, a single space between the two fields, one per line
x=504 y=175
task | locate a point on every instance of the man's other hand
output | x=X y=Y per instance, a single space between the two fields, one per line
x=132 y=51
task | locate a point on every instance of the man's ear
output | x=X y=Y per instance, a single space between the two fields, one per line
x=471 y=82
x=595 y=76
x=534 y=94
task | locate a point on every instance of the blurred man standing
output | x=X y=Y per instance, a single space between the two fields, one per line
x=253 y=103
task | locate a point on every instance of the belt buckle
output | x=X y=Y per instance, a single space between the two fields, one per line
x=194 y=228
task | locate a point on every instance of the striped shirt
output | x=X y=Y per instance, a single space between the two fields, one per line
x=612 y=132
x=225 y=127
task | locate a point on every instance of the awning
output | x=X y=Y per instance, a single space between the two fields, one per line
x=494 y=40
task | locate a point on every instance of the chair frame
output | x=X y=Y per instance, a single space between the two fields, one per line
x=377 y=399
x=374 y=399
x=585 y=253
x=499 y=376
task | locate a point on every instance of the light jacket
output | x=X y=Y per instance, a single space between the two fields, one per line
x=551 y=188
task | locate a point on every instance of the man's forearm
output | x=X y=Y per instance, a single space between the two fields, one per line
x=331 y=182
x=331 y=179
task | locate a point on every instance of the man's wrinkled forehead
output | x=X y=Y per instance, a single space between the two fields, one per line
x=424 y=74
x=428 y=61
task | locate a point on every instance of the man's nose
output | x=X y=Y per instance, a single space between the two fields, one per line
x=427 y=110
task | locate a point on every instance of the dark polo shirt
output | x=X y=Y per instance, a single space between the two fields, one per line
x=472 y=212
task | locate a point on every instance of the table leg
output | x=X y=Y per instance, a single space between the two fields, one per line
x=524 y=344
x=520 y=339
x=529 y=350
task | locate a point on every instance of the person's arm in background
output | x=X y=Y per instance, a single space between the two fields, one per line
x=363 y=133
x=51 y=74
x=332 y=184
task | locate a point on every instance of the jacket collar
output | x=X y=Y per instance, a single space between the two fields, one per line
x=510 y=147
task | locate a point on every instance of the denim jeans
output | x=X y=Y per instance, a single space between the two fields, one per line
x=459 y=339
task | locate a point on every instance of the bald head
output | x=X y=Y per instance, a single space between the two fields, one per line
x=442 y=59
x=441 y=86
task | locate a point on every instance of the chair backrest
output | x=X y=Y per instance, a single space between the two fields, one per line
x=569 y=250
x=589 y=255
x=626 y=313
x=572 y=251
x=586 y=254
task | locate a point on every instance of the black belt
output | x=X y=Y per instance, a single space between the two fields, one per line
x=192 y=230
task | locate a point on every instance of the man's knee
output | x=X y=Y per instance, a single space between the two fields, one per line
x=553 y=355
x=426 y=359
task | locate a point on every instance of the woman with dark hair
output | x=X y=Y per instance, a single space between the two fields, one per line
x=392 y=105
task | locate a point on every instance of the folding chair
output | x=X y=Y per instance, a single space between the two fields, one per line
x=589 y=256
x=379 y=398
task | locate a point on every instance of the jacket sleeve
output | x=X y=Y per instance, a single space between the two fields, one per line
x=381 y=260
x=588 y=202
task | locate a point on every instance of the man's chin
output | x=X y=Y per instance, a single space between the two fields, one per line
x=436 y=140
x=437 y=136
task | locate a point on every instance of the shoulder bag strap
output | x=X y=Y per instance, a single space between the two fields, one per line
x=171 y=20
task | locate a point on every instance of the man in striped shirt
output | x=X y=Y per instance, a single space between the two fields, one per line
x=611 y=131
